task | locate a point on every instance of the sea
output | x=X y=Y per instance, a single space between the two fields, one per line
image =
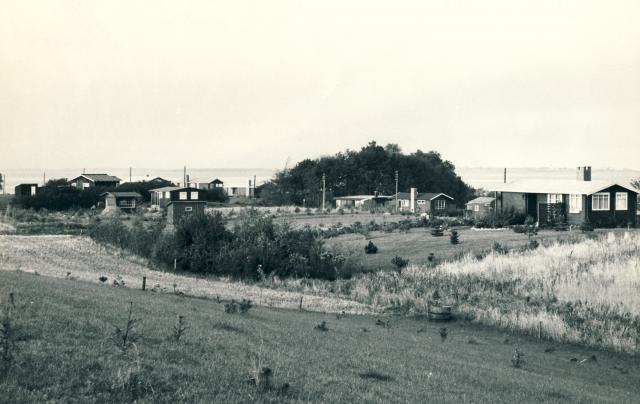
x=477 y=177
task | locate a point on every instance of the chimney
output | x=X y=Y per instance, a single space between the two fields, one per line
x=584 y=173
x=412 y=202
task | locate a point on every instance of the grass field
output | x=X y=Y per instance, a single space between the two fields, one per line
x=81 y=258
x=63 y=352
x=418 y=243
x=583 y=291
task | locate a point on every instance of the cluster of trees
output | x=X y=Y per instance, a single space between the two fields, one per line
x=364 y=172
x=255 y=246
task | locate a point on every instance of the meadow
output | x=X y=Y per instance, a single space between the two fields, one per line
x=417 y=244
x=569 y=291
x=65 y=347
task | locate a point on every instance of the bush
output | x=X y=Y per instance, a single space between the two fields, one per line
x=586 y=226
x=370 y=248
x=399 y=262
x=454 y=238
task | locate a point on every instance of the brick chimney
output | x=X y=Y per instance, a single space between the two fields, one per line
x=584 y=173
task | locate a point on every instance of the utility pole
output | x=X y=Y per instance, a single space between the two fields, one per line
x=129 y=174
x=184 y=177
x=396 y=191
x=505 y=176
x=44 y=178
x=254 y=186
x=323 y=190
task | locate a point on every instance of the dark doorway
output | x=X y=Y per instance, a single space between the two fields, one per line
x=532 y=205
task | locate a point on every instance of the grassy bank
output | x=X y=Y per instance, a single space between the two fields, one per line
x=64 y=351
x=584 y=292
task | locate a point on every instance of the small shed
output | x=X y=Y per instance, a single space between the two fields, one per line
x=480 y=207
x=184 y=202
x=25 y=190
x=125 y=201
x=212 y=185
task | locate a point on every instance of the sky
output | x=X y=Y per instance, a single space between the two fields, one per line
x=240 y=83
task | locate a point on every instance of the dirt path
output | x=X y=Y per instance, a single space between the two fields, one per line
x=80 y=258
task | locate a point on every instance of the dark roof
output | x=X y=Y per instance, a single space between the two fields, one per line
x=99 y=178
x=123 y=194
x=158 y=179
x=217 y=181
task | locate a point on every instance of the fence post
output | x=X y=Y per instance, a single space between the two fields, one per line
x=144 y=282
x=540 y=330
x=300 y=305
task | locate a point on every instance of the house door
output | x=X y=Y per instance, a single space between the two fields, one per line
x=532 y=206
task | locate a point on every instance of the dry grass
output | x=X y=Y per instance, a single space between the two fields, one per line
x=584 y=292
x=83 y=259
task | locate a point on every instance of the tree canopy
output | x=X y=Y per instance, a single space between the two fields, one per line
x=369 y=170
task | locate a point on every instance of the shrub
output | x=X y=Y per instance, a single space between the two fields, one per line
x=370 y=248
x=586 y=226
x=454 y=238
x=399 y=262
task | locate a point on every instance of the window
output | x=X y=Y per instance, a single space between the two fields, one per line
x=188 y=209
x=440 y=204
x=621 y=201
x=421 y=202
x=183 y=196
x=404 y=202
x=575 y=203
x=33 y=190
x=600 y=201
x=167 y=194
x=554 y=198
x=194 y=196
x=476 y=208
x=127 y=203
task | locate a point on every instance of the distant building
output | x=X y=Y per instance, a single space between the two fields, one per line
x=95 y=180
x=434 y=203
x=361 y=202
x=237 y=190
x=160 y=197
x=215 y=184
x=26 y=190
x=184 y=202
x=125 y=201
x=158 y=180
x=602 y=203
x=480 y=207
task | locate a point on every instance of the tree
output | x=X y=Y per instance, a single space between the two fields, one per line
x=366 y=171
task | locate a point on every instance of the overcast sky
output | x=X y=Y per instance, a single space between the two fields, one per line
x=251 y=83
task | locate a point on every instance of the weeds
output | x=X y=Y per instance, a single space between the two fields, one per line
x=322 y=326
x=125 y=337
x=241 y=307
x=7 y=339
x=517 y=360
x=179 y=328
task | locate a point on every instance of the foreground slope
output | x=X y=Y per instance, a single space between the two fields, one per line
x=64 y=352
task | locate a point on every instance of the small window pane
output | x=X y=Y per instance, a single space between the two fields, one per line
x=621 y=201
x=194 y=195
x=183 y=196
